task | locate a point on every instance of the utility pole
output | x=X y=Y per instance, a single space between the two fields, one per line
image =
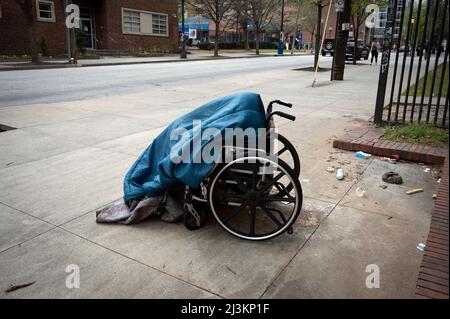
x=183 y=54
x=340 y=41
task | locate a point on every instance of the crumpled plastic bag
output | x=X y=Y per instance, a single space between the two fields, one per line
x=169 y=205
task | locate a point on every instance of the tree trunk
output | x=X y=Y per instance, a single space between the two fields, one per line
x=34 y=52
x=216 y=40
x=29 y=12
x=257 y=41
x=355 y=38
x=340 y=43
x=319 y=31
x=296 y=27
x=247 y=44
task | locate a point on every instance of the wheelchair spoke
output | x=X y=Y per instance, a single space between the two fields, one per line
x=279 y=199
x=254 y=176
x=252 y=220
x=284 y=149
x=235 y=212
x=272 y=217
x=279 y=213
x=273 y=181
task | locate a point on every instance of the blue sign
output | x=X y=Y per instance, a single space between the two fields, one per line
x=201 y=24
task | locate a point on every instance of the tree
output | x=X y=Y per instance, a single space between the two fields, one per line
x=319 y=4
x=260 y=13
x=358 y=15
x=216 y=11
x=291 y=20
x=297 y=23
x=28 y=10
x=308 y=20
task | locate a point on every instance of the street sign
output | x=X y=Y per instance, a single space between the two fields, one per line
x=192 y=34
x=339 y=5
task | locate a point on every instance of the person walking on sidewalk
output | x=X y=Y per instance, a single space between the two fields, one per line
x=374 y=52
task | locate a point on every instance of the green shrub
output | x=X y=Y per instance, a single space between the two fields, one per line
x=238 y=45
x=44 y=47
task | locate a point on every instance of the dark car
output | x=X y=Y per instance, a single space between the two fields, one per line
x=328 y=47
x=362 y=51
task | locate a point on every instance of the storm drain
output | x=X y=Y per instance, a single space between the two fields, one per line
x=4 y=128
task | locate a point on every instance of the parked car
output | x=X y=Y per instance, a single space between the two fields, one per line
x=362 y=50
x=328 y=47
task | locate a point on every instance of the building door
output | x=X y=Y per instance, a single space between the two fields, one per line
x=87 y=30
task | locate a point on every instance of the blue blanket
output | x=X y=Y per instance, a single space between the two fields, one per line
x=154 y=171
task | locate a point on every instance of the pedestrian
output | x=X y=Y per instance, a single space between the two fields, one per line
x=374 y=52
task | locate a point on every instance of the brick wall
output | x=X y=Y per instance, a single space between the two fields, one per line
x=15 y=35
x=15 y=39
x=117 y=40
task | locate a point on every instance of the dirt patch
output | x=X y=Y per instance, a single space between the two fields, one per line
x=310 y=218
x=312 y=69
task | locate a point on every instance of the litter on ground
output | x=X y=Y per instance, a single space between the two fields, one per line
x=414 y=191
x=421 y=246
x=340 y=174
x=392 y=178
x=363 y=155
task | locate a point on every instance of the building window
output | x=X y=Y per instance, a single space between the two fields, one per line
x=144 y=23
x=159 y=24
x=131 y=21
x=45 y=10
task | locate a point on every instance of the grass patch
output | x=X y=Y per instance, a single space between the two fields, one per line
x=418 y=134
x=428 y=85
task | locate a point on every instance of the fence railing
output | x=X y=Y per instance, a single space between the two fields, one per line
x=414 y=71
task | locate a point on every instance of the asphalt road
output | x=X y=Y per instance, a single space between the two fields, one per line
x=58 y=85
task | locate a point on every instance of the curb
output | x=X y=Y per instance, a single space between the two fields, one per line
x=369 y=140
x=81 y=65
x=432 y=280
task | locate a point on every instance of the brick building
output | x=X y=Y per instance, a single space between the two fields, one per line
x=129 y=25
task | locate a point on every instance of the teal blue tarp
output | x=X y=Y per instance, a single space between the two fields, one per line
x=154 y=171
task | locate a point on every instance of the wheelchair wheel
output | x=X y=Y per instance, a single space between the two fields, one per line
x=287 y=153
x=252 y=200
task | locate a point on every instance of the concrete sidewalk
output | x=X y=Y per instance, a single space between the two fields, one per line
x=128 y=60
x=65 y=160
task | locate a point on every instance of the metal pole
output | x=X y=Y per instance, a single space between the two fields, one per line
x=385 y=57
x=69 y=50
x=183 y=43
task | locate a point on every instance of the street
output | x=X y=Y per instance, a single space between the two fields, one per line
x=59 y=85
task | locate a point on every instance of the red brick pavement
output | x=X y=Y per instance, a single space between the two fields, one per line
x=432 y=282
x=369 y=140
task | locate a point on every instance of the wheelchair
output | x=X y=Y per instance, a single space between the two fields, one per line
x=251 y=197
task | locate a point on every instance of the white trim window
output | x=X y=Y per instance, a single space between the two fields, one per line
x=131 y=21
x=159 y=24
x=45 y=10
x=144 y=23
